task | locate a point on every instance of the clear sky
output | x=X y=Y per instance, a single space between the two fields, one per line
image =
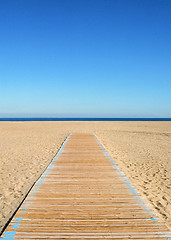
x=85 y=58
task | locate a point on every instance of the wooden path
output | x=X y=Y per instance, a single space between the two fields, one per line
x=84 y=195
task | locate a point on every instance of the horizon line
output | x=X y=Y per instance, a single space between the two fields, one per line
x=84 y=118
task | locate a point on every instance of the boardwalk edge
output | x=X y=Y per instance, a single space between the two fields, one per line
x=36 y=185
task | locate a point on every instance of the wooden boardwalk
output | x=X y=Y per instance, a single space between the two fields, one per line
x=84 y=195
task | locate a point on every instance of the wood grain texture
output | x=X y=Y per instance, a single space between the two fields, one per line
x=83 y=195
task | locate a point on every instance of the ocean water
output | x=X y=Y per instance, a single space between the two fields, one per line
x=82 y=119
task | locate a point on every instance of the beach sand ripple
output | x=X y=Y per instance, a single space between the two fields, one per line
x=142 y=150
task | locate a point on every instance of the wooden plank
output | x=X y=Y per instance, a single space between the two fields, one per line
x=84 y=195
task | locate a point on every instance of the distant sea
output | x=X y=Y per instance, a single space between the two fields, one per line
x=83 y=119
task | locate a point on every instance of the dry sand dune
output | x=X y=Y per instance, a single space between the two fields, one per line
x=142 y=150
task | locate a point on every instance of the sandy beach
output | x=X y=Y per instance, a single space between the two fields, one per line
x=142 y=150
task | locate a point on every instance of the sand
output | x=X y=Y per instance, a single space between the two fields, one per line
x=142 y=150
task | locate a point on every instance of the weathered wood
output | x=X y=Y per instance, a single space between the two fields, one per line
x=84 y=195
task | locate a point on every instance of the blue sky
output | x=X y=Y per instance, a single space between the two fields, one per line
x=85 y=58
